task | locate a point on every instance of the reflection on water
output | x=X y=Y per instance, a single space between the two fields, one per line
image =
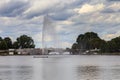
x=88 y=72
x=15 y=73
x=60 y=68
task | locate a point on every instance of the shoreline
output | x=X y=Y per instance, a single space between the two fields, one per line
x=62 y=55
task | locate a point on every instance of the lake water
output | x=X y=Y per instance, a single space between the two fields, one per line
x=67 y=67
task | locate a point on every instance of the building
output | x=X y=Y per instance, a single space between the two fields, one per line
x=29 y=51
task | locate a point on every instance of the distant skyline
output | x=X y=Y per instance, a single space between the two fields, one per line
x=71 y=17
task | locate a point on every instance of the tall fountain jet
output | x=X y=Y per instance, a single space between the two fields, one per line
x=49 y=35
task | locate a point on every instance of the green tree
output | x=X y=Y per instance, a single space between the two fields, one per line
x=3 y=45
x=91 y=40
x=81 y=42
x=116 y=42
x=113 y=45
x=103 y=47
x=1 y=39
x=75 y=48
x=8 y=42
x=96 y=43
x=15 y=45
x=84 y=40
x=24 y=41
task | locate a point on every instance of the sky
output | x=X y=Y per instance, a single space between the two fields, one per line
x=71 y=18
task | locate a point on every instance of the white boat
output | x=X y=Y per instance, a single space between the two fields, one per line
x=40 y=56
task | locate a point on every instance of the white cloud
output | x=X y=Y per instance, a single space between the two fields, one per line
x=89 y=17
x=88 y=8
x=8 y=21
x=66 y=44
x=110 y=36
x=67 y=22
x=113 y=18
x=97 y=17
x=115 y=6
x=38 y=37
x=1 y=31
x=48 y=38
x=40 y=5
x=60 y=26
x=2 y=2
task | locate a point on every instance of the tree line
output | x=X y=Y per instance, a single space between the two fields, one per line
x=91 y=40
x=21 y=42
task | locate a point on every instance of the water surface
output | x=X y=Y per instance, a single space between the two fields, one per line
x=60 y=68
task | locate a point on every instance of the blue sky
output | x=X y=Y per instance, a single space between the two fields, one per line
x=72 y=17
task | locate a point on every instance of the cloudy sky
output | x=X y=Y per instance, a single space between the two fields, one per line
x=71 y=17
